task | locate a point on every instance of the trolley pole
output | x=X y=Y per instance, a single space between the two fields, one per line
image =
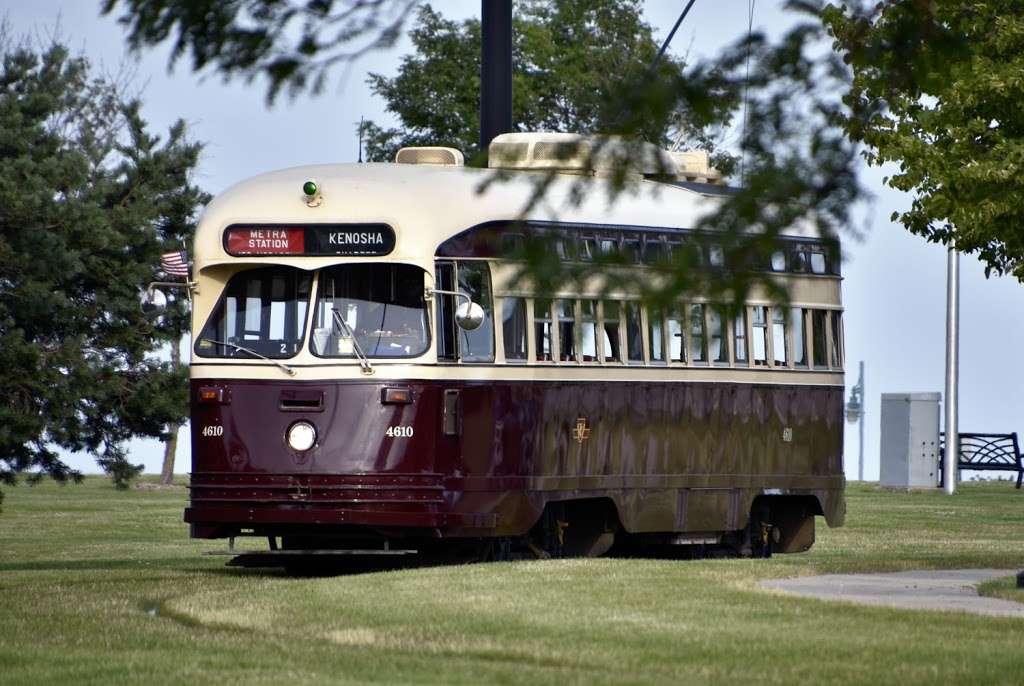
x=952 y=369
x=495 y=70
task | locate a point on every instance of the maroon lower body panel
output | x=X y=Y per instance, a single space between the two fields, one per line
x=478 y=459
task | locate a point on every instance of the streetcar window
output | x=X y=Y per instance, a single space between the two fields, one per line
x=631 y=249
x=588 y=248
x=797 y=318
x=444 y=275
x=566 y=329
x=677 y=334
x=610 y=327
x=382 y=305
x=588 y=330
x=263 y=310
x=654 y=250
x=716 y=256
x=779 y=336
x=819 y=338
x=634 y=335
x=818 y=262
x=609 y=246
x=837 y=337
x=513 y=314
x=475 y=281
x=740 y=333
x=759 y=327
x=719 y=352
x=657 y=352
x=778 y=261
x=697 y=334
x=542 y=329
x=798 y=261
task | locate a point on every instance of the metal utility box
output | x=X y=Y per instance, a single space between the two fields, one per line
x=910 y=440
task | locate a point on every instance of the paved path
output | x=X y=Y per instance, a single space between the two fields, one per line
x=953 y=589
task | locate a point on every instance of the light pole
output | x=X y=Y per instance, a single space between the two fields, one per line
x=855 y=413
x=952 y=369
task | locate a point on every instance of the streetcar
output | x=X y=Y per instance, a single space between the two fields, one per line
x=371 y=374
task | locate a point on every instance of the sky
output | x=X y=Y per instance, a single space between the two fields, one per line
x=894 y=286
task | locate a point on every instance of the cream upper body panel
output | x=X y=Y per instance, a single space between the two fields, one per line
x=426 y=205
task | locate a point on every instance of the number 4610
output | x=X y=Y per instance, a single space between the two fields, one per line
x=399 y=431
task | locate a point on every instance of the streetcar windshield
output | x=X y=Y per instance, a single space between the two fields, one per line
x=262 y=313
x=381 y=307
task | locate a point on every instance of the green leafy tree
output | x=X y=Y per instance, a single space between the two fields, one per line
x=88 y=201
x=937 y=90
x=581 y=66
x=570 y=60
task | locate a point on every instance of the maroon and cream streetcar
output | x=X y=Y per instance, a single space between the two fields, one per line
x=368 y=375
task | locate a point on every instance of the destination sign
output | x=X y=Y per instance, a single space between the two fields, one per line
x=309 y=239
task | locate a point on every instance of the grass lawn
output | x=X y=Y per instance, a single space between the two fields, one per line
x=101 y=586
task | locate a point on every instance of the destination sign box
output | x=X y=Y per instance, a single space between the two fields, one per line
x=309 y=239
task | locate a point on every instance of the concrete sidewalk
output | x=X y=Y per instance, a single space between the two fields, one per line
x=953 y=590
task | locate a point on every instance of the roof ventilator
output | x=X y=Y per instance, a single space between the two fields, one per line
x=433 y=156
x=572 y=153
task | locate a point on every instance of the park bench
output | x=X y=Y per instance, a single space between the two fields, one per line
x=986 y=452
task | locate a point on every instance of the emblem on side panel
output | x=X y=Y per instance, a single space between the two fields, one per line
x=581 y=431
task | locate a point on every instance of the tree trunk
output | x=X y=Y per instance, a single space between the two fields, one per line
x=171 y=442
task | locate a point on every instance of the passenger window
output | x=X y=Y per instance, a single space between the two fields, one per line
x=716 y=335
x=759 y=327
x=475 y=281
x=799 y=261
x=655 y=341
x=677 y=334
x=716 y=256
x=588 y=330
x=542 y=330
x=513 y=327
x=837 y=338
x=819 y=338
x=610 y=326
x=740 y=334
x=631 y=249
x=799 y=341
x=634 y=337
x=818 y=263
x=588 y=248
x=778 y=261
x=697 y=334
x=779 y=336
x=609 y=246
x=654 y=250
x=566 y=329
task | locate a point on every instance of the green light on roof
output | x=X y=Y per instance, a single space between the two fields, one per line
x=310 y=188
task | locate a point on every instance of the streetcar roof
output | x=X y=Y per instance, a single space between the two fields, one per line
x=426 y=205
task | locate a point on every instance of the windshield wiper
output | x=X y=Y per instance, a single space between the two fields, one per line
x=364 y=361
x=288 y=370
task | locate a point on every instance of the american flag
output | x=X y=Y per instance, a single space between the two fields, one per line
x=175 y=263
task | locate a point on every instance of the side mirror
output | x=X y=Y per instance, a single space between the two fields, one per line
x=153 y=300
x=469 y=315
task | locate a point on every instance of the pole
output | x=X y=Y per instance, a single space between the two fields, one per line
x=952 y=369
x=860 y=422
x=495 y=70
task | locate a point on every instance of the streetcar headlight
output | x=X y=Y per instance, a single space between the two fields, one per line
x=301 y=436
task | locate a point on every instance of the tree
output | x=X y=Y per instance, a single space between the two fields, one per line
x=570 y=58
x=796 y=166
x=936 y=90
x=88 y=201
